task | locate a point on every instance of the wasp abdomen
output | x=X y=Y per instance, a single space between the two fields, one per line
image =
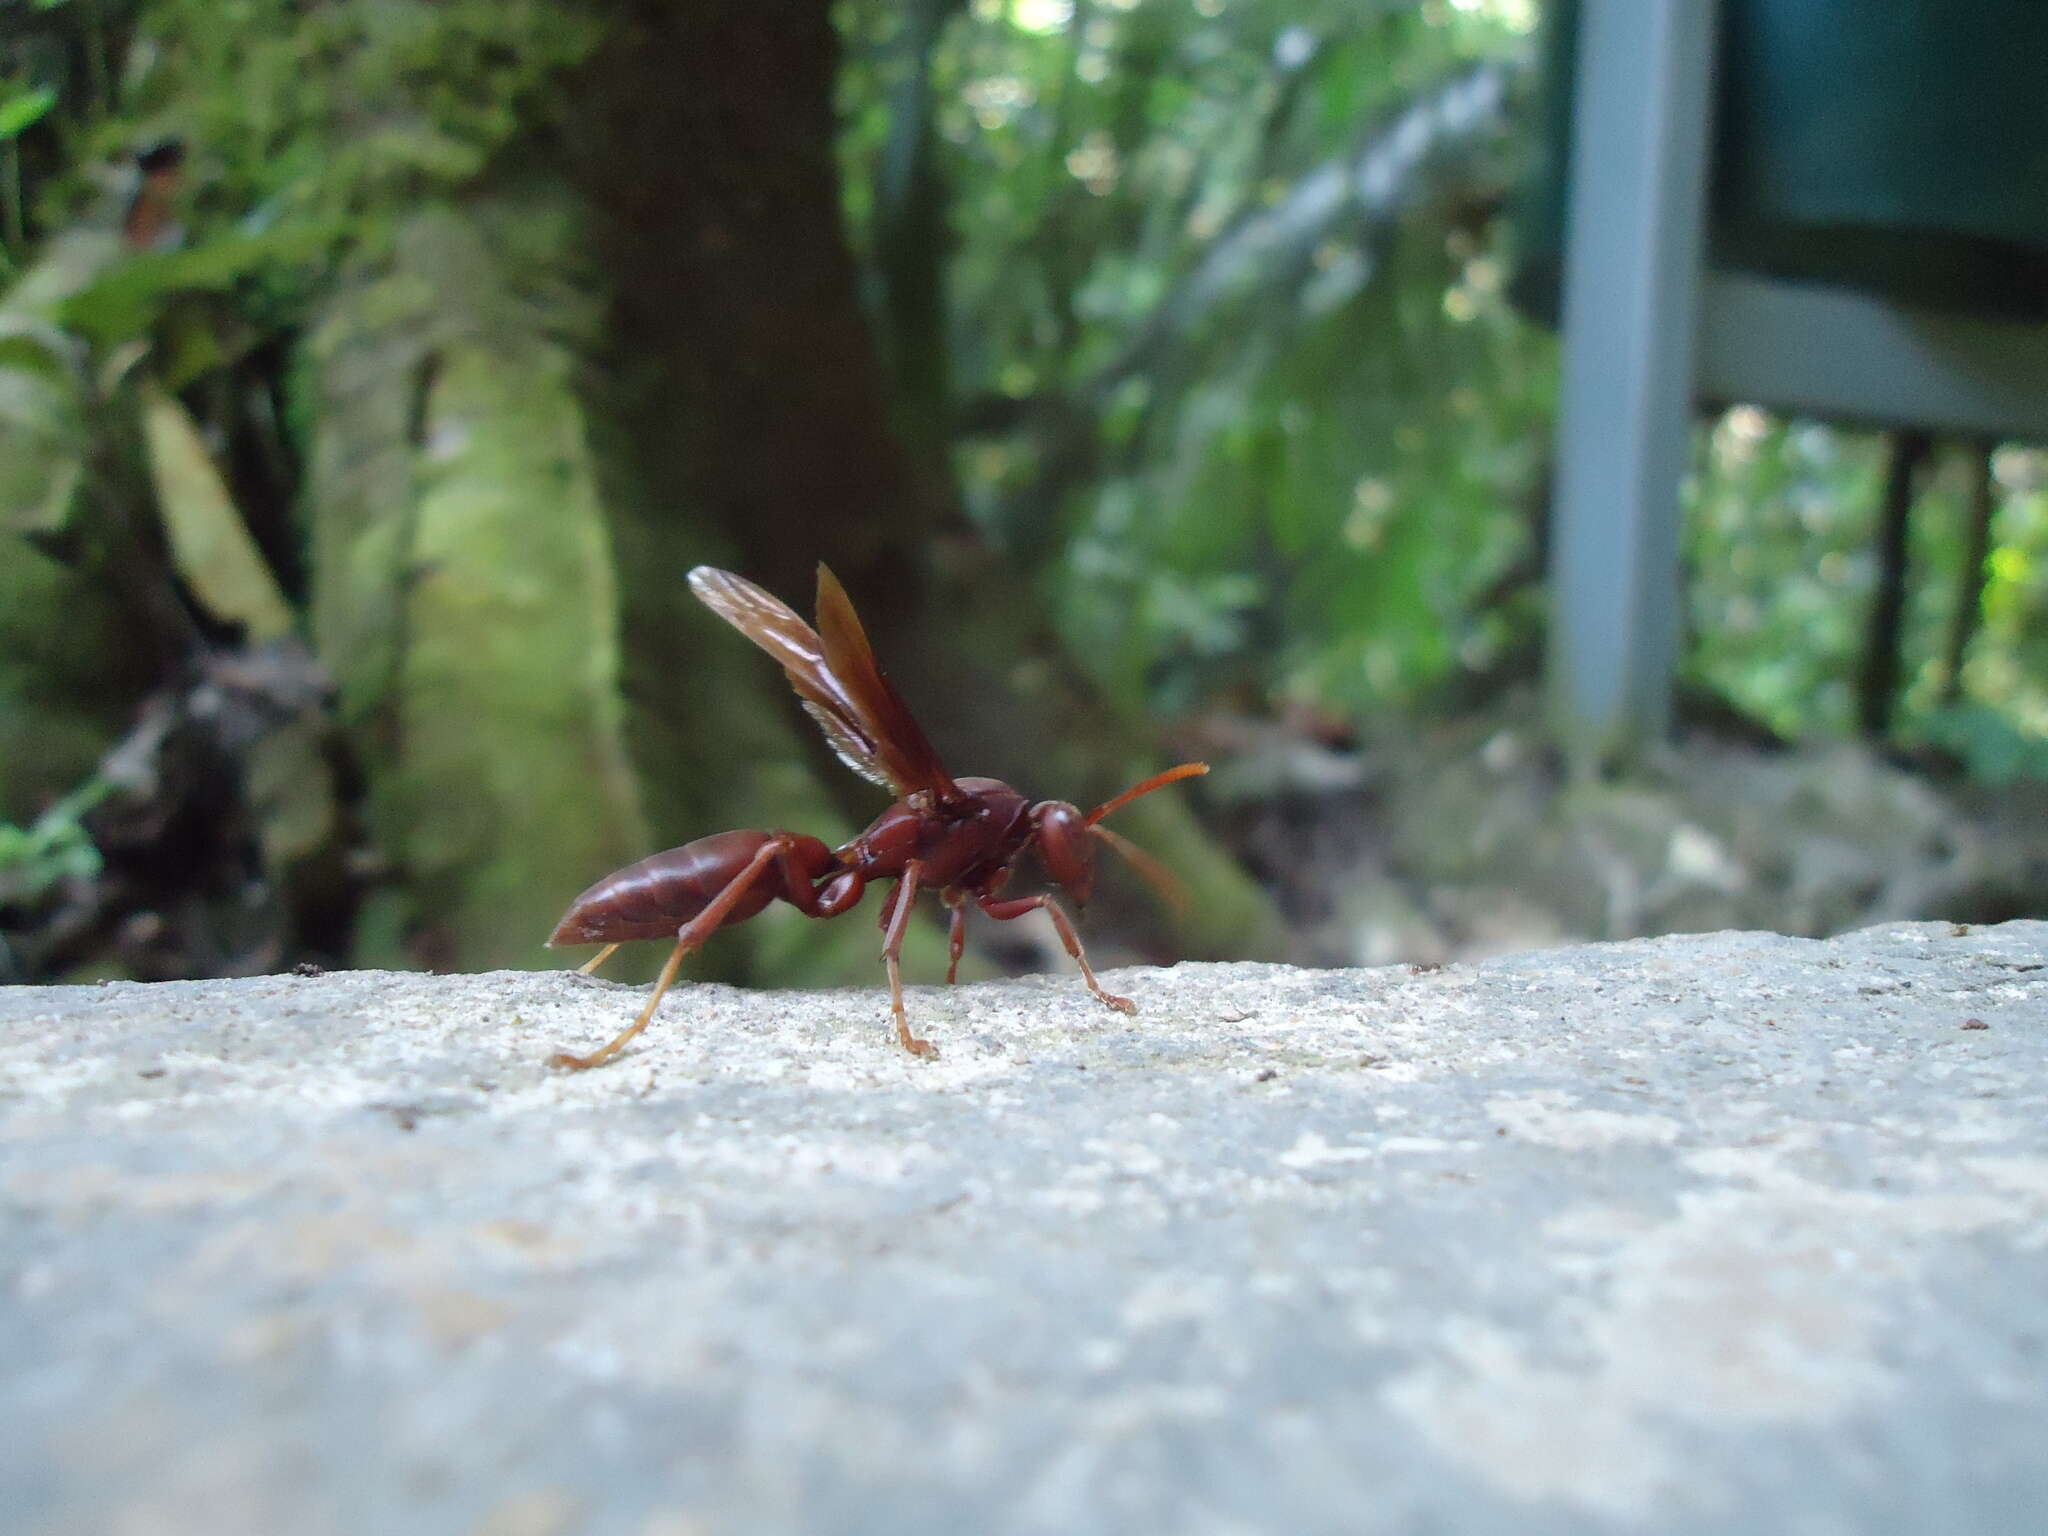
x=655 y=897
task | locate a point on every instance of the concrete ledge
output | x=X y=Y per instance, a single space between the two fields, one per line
x=1731 y=1232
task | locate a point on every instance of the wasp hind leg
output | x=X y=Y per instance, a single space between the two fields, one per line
x=691 y=937
x=599 y=1057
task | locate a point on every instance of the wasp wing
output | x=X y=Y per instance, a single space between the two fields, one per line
x=777 y=628
x=863 y=717
x=900 y=742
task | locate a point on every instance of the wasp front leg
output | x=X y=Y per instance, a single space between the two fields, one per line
x=1008 y=910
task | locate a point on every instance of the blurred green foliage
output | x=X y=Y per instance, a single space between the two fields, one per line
x=54 y=848
x=1780 y=569
x=22 y=106
x=1226 y=237
x=1313 y=435
x=355 y=110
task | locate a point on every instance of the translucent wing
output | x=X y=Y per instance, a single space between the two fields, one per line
x=856 y=753
x=900 y=742
x=860 y=714
x=777 y=629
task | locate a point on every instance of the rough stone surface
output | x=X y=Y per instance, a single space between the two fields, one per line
x=1720 y=1233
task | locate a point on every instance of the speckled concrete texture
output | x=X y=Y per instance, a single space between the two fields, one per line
x=1720 y=1233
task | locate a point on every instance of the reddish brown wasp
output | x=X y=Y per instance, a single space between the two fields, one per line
x=962 y=838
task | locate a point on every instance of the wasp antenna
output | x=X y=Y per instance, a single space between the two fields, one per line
x=1165 y=884
x=1157 y=781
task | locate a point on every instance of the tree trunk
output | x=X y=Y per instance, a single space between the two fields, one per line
x=1879 y=685
x=463 y=591
x=1969 y=606
x=746 y=407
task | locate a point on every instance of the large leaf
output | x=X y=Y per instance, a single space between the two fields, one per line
x=210 y=542
x=42 y=430
x=118 y=300
x=70 y=670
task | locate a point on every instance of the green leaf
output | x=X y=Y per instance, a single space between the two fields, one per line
x=55 y=848
x=43 y=440
x=209 y=541
x=127 y=297
x=24 y=109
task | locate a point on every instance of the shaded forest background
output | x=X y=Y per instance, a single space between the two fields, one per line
x=371 y=373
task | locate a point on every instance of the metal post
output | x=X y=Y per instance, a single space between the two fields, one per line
x=1639 y=163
